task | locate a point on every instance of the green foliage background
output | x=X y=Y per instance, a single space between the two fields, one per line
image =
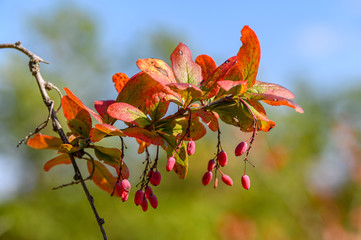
x=306 y=184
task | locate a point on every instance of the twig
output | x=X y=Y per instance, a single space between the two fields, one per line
x=43 y=86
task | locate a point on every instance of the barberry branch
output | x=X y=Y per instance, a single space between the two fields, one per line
x=43 y=87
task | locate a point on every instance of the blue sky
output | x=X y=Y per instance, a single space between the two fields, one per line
x=314 y=40
x=317 y=41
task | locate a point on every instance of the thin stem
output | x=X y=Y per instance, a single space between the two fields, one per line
x=43 y=86
x=253 y=135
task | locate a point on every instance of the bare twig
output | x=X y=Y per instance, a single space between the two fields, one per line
x=43 y=87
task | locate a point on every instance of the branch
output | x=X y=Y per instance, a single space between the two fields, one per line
x=43 y=87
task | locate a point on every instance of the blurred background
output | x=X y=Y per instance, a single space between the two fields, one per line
x=307 y=179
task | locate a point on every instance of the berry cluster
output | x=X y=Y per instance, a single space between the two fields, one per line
x=220 y=160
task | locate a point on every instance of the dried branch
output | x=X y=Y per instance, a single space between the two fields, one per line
x=43 y=87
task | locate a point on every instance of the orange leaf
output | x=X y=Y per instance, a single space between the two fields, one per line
x=40 y=141
x=80 y=104
x=119 y=80
x=142 y=145
x=249 y=55
x=61 y=159
x=102 y=176
x=157 y=69
x=208 y=66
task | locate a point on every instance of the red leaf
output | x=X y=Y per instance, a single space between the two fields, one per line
x=208 y=66
x=249 y=55
x=208 y=118
x=141 y=87
x=210 y=86
x=185 y=70
x=102 y=177
x=227 y=85
x=61 y=159
x=271 y=88
x=40 y=141
x=119 y=80
x=80 y=104
x=127 y=113
x=144 y=135
x=157 y=69
x=101 y=107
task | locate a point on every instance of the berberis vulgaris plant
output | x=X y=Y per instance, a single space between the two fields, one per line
x=204 y=94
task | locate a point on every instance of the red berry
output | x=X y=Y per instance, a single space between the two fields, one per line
x=148 y=191
x=211 y=165
x=246 y=182
x=207 y=177
x=241 y=148
x=191 y=147
x=153 y=201
x=139 y=195
x=155 y=178
x=125 y=185
x=125 y=196
x=170 y=164
x=222 y=158
x=118 y=188
x=144 y=204
x=227 y=180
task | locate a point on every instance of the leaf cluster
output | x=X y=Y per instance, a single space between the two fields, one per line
x=203 y=92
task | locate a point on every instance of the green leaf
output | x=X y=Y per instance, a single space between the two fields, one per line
x=179 y=126
x=237 y=114
x=181 y=156
x=185 y=69
x=78 y=127
x=189 y=92
x=111 y=156
x=127 y=113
